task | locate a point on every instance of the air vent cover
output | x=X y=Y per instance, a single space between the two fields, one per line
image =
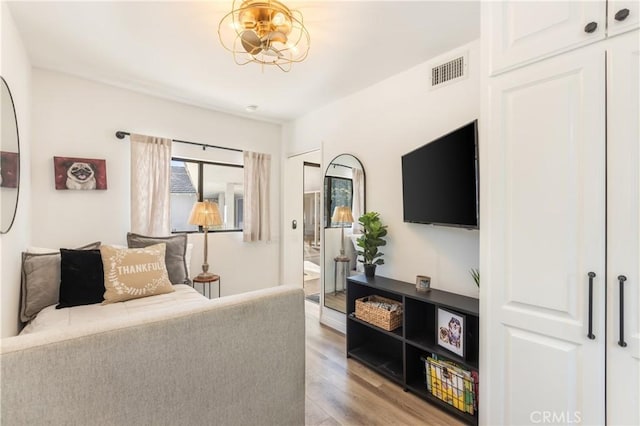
x=450 y=71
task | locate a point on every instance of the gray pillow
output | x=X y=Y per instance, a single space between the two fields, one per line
x=41 y=281
x=174 y=255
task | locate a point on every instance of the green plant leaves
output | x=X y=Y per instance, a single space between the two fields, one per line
x=475 y=274
x=373 y=233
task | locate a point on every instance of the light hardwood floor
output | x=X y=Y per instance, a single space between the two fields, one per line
x=336 y=301
x=341 y=391
x=311 y=286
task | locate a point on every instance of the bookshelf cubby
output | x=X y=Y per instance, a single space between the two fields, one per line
x=397 y=354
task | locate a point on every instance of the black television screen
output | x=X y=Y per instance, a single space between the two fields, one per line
x=440 y=180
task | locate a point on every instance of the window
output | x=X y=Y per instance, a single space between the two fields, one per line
x=340 y=191
x=194 y=180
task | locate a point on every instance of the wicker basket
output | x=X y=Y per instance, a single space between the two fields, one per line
x=387 y=320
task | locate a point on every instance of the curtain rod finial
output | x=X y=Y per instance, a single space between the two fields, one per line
x=120 y=134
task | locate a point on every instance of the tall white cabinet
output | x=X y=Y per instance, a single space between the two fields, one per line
x=560 y=214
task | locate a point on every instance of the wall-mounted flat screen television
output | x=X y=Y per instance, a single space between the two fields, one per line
x=440 y=180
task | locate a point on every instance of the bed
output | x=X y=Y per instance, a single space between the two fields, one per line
x=50 y=318
x=166 y=356
x=239 y=360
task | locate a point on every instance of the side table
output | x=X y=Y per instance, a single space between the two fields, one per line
x=209 y=281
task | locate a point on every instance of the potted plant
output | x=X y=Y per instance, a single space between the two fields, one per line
x=373 y=232
x=475 y=274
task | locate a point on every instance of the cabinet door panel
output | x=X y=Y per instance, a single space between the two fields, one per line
x=623 y=216
x=632 y=20
x=560 y=357
x=523 y=32
x=546 y=231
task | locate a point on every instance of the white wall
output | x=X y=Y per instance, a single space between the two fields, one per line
x=16 y=70
x=78 y=118
x=380 y=124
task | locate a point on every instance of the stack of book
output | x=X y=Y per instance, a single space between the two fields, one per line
x=451 y=383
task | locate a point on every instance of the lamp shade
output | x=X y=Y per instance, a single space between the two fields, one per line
x=342 y=214
x=205 y=213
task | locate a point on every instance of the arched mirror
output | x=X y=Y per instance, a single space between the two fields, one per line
x=9 y=161
x=344 y=203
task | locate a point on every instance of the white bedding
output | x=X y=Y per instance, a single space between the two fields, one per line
x=50 y=317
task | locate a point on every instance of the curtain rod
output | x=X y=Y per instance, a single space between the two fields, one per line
x=120 y=135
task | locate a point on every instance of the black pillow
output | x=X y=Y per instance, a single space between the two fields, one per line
x=82 y=278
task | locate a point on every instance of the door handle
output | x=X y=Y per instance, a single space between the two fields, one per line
x=621 y=280
x=591 y=275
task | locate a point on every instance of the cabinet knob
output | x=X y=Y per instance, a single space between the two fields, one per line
x=622 y=14
x=590 y=27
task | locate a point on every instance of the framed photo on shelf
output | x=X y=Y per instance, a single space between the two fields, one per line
x=423 y=283
x=450 y=331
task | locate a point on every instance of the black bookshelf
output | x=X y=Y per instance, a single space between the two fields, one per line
x=397 y=354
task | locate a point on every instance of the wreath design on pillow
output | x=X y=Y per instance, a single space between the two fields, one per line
x=120 y=287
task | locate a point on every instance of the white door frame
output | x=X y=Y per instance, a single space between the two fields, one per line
x=292 y=196
x=329 y=317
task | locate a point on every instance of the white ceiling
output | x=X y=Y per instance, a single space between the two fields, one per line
x=171 y=49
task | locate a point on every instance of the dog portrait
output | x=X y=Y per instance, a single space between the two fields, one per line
x=450 y=331
x=9 y=169
x=454 y=332
x=80 y=173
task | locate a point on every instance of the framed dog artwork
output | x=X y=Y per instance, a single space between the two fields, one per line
x=9 y=169
x=80 y=173
x=450 y=331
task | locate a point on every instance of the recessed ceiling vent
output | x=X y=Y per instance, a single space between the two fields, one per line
x=449 y=72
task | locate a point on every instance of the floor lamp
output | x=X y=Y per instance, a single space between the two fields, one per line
x=342 y=215
x=205 y=214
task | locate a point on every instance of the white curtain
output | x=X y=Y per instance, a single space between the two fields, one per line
x=257 y=176
x=358 y=198
x=150 y=185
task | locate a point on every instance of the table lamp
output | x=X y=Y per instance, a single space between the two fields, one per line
x=205 y=214
x=342 y=215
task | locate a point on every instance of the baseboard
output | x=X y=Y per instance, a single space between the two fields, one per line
x=334 y=319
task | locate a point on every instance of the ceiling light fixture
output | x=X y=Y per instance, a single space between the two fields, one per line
x=265 y=32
